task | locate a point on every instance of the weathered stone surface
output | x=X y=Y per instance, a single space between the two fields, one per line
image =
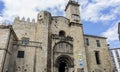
x=54 y=41
x=106 y=65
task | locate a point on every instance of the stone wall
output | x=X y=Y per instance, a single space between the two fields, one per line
x=35 y=59
x=7 y=37
x=25 y=28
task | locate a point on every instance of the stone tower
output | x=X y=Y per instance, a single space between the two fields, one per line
x=72 y=11
x=43 y=35
x=73 y=14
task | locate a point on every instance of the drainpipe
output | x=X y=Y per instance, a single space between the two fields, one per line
x=35 y=60
x=6 y=50
x=86 y=51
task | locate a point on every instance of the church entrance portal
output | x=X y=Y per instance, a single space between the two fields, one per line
x=63 y=57
x=64 y=63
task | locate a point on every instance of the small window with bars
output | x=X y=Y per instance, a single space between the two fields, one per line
x=20 y=54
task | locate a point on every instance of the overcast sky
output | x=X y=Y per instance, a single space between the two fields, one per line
x=99 y=17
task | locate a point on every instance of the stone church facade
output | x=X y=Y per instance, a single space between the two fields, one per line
x=52 y=44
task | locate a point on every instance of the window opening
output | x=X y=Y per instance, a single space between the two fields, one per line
x=61 y=33
x=76 y=17
x=98 y=43
x=116 y=53
x=20 y=54
x=87 y=41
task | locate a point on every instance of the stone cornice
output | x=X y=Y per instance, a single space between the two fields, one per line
x=75 y=24
x=95 y=36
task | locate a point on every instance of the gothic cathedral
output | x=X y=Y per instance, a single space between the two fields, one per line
x=52 y=44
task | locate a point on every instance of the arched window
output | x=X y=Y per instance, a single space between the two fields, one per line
x=61 y=33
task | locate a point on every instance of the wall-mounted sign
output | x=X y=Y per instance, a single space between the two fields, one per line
x=80 y=60
x=80 y=63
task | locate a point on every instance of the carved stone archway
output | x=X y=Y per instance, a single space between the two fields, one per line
x=63 y=57
x=64 y=63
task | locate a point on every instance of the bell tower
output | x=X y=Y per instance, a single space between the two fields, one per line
x=72 y=11
x=76 y=32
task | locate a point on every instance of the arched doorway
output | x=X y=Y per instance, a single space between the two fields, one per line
x=64 y=63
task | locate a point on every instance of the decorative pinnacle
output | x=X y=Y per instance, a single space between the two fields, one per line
x=23 y=19
x=17 y=18
x=33 y=20
x=28 y=19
